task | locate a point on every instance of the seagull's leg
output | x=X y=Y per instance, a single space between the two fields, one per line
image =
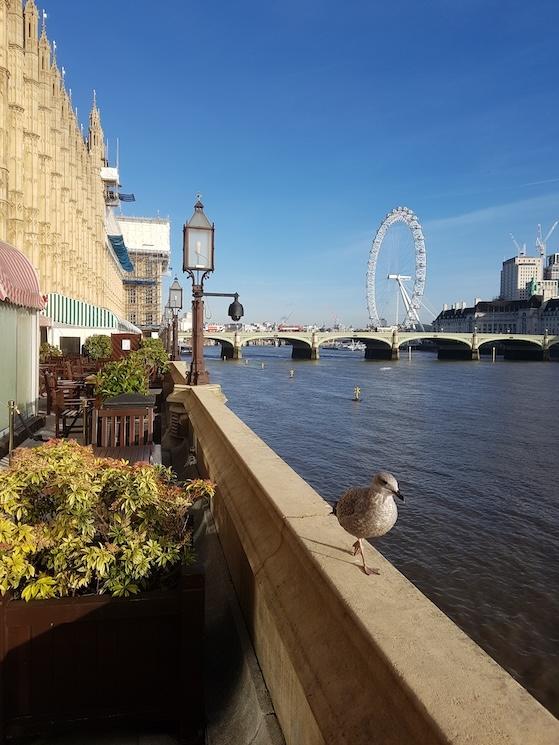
x=356 y=547
x=366 y=569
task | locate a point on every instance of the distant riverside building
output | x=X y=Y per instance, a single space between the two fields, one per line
x=551 y=271
x=517 y=275
x=148 y=240
x=532 y=316
x=528 y=303
x=53 y=199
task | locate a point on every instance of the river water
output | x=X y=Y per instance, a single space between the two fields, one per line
x=475 y=448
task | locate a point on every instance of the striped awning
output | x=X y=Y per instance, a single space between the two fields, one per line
x=19 y=283
x=71 y=312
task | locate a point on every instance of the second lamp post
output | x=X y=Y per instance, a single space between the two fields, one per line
x=175 y=305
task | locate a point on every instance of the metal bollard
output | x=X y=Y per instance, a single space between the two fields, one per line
x=11 y=428
x=83 y=402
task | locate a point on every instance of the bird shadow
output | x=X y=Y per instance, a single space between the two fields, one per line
x=329 y=545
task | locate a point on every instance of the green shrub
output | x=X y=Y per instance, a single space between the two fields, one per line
x=153 y=354
x=48 y=351
x=98 y=346
x=74 y=524
x=128 y=375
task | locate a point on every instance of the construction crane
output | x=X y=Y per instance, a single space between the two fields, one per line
x=541 y=243
x=520 y=248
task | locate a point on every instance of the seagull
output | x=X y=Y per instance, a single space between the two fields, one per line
x=369 y=512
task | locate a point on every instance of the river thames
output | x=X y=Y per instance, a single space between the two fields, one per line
x=475 y=448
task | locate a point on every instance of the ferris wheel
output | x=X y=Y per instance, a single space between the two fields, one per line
x=395 y=267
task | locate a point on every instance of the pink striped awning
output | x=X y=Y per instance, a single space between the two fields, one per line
x=19 y=283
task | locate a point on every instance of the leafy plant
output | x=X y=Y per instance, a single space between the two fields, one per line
x=73 y=524
x=48 y=351
x=153 y=354
x=98 y=346
x=128 y=375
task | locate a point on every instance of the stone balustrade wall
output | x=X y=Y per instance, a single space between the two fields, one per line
x=347 y=658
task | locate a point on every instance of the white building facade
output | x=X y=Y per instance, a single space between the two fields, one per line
x=517 y=275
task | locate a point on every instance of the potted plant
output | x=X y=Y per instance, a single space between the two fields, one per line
x=96 y=594
x=98 y=347
x=128 y=375
x=47 y=352
x=154 y=356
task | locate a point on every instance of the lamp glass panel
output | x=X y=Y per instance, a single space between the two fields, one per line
x=175 y=299
x=199 y=249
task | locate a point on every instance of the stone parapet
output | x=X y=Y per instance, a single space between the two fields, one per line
x=347 y=658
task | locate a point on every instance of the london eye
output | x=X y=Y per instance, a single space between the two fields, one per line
x=396 y=271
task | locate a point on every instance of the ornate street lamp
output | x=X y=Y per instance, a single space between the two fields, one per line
x=167 y=317
x=175 y=305
x=198 y=263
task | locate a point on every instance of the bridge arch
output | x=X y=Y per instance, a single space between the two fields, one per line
x=219 y=337
x=352 y=336
x=507 y=339
x=439 y=338
x=273 y=336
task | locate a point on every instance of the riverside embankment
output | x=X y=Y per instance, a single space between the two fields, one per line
x=474 y=446
x=345 y=660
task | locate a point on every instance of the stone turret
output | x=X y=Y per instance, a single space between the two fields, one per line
x=96 y=139
x=44 y=50
x=31 y=27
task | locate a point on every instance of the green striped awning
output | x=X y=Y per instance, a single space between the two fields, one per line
x=62 y=309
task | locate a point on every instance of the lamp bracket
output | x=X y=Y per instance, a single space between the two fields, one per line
x=221 y=294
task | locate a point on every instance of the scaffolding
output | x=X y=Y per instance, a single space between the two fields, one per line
x=148 y=243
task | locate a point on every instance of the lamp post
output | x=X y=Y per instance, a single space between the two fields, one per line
x=198 y=263
x=175 y=304
x=166 y=321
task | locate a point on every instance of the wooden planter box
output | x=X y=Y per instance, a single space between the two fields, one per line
x=97 y=658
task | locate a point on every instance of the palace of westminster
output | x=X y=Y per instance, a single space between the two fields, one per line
x=98 y=270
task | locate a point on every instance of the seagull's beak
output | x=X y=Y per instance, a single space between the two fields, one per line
x=399 y=495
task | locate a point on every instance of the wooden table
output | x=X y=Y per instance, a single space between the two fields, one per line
x=133 y=454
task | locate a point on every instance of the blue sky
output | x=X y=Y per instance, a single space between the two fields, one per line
x=303 y=122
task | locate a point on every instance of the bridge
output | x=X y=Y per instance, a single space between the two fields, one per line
x=387 y=344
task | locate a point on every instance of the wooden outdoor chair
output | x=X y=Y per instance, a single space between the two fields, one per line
x=50 y=389
x=69 y=412
x=122 y=428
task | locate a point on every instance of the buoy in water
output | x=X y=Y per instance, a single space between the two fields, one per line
x=357 y=393
x=292 y=373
